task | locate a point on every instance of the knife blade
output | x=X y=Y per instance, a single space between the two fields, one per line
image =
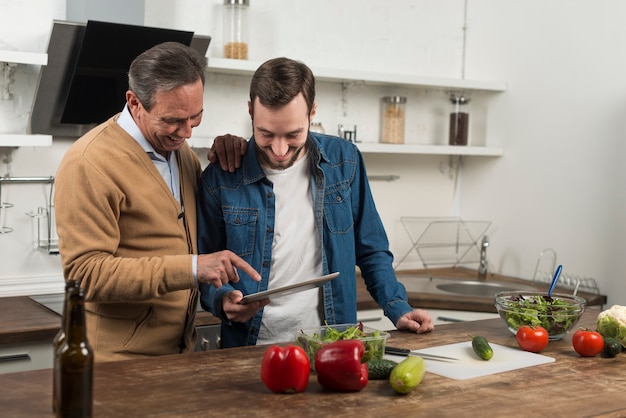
x=406 y=352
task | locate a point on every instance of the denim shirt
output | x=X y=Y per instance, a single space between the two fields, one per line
x=236 y=211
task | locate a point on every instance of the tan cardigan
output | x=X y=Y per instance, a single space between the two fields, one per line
x=120 y=234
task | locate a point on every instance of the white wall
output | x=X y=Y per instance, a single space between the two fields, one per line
x=559 y=183
x=25 y=26
x=413 y=37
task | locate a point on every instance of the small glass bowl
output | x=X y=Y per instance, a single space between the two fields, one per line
x=314 y=339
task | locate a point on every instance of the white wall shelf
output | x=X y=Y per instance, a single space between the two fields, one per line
x=378 y=148
x=244 y=67
x=19 y=57
x=24 y=140
x=247 y=68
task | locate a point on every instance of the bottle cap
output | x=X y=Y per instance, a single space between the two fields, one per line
x=461 y=100
x=70 y=283
x=394 y=99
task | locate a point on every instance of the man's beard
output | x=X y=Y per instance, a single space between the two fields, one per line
x=266 y=161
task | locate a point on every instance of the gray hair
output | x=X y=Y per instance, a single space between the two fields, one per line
x=163 y=68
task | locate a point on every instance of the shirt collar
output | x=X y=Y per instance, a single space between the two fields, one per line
x=126 y=122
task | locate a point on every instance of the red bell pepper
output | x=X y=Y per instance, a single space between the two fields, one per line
x=285 y=370
x=338 y=366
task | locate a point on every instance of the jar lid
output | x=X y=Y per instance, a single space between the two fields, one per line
x=236 y=2
x=461 y=100
x=394 y=99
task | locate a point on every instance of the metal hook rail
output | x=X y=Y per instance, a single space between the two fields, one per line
x=544 y=272
x=7 y=205
x=47 y=180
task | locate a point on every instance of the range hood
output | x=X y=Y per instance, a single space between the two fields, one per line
x=86 y=78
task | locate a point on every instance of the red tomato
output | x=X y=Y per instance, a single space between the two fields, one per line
x=285 y=370
x=533 y=339
x=587 y=343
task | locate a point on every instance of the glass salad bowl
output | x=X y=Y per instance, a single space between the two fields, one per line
x=558 y=313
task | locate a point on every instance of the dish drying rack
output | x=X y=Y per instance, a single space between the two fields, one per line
x=449 y=241
x=46 y=233
x=544 y=272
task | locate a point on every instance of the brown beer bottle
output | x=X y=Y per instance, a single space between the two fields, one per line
x=74 y=362
x=57 y=342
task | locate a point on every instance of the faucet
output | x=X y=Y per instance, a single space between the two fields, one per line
x=483 y=265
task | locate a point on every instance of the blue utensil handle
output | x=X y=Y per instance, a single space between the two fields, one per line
x=557 y=273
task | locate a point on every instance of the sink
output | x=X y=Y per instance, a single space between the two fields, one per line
x=468 y=285
x=479 y=288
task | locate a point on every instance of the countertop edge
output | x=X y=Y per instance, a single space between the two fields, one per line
x=28 y=321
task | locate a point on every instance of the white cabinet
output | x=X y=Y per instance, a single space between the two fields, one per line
x=9 y=59
x=26 y=356
x=374 y=318
x=442 y=316
x=247 y=68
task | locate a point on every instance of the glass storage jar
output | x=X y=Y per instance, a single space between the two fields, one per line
x=459 y=120
x=393 y=119
x=235 y=21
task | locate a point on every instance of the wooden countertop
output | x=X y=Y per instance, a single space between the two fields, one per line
x=227 y=383
x=206 y=318
x=24 y=320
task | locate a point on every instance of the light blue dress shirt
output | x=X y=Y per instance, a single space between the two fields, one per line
x=167 y=167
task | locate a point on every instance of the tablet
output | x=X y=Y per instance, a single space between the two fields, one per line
x=287 y=290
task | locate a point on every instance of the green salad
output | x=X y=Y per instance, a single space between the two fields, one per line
x=555 y=315
x=373 y=341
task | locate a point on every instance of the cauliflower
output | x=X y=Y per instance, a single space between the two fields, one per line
x=612 y=323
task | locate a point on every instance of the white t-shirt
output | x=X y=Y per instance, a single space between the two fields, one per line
x=296 y=256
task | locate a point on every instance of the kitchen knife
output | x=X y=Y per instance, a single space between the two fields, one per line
x=395 y=351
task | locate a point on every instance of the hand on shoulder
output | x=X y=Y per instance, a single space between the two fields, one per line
x=227 y=150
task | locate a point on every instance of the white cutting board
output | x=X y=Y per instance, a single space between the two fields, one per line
x=470 y=365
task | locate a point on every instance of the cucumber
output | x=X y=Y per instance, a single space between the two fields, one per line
x=407 y=375
x=482 y=348
x=379 y=368
x=612 y=347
